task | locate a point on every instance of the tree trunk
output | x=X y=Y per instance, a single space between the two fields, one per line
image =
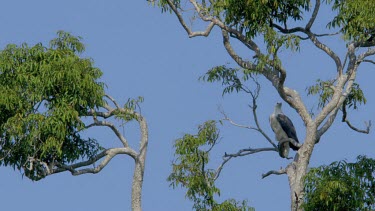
x=139 y=166
x=137 y=186
x=298 y=169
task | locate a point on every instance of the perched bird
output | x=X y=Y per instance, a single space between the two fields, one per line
x=284 y=130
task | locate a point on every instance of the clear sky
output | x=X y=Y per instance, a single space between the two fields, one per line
x=143 y=52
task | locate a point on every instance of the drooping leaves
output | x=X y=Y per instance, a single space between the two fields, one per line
x=190 y=170
x=355 y=97
x=325 y=89
x=356 y=19
x=228 y=77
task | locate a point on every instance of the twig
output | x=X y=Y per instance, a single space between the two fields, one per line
x=314 y=14
x=113 y=100
x=366 y=131
x=276 y=172
x=370 y=61
x=240 y=153
x=112 y=127
x=185 y=26
x=345 y=119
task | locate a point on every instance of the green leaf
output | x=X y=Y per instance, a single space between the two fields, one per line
x=43 y=92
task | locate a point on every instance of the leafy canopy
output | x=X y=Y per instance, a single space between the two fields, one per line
x=43 y=92
x=341 y=186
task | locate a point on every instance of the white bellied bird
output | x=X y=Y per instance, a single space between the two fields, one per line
x=284 y=131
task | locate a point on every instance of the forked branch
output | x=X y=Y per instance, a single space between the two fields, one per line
x=107 y=154
x=190 y=32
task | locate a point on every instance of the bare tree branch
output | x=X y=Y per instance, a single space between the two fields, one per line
x=112 y=127
x=314 y=14
x=226 y=118
x=254 y=95
x=369 y=52
x=369 y=61
x=276 y=172
x=240 y=153
x=366 y=131
x=107 y=154
x=344 y=119
x=186 y=27
x=113 y=100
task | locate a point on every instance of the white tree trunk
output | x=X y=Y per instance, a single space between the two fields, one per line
x=298 y=168
x=139 y=166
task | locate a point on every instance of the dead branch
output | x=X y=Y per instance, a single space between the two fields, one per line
x=240 y=153
x=276 y=172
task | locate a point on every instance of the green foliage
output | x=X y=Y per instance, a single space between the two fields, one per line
x=325 y=91
x=228 y=77
x=233 y=79
x=130 y=106
x=341 y=186
x=190 y=170
x=43 y=92
x=354 y=97
x=233 y=205
x=164 y=5
x=253 y=16
x=355 y=18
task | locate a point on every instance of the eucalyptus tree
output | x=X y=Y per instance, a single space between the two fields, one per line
x=266 y=29
x=48 y=97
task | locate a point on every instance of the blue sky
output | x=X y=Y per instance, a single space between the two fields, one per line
x=143 y=52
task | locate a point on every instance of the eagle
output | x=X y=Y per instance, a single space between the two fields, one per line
x=284 y=130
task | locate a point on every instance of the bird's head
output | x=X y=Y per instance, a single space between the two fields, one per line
x=278 y=108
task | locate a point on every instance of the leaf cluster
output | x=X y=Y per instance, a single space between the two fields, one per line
x=355 y=97
x=233 y=79
x=356 y=19
x=43 y=92
x=325 y=89
x=130 y=106
x=228 y=76
x=190 y=170
x=341 y=186
x=253 y=16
